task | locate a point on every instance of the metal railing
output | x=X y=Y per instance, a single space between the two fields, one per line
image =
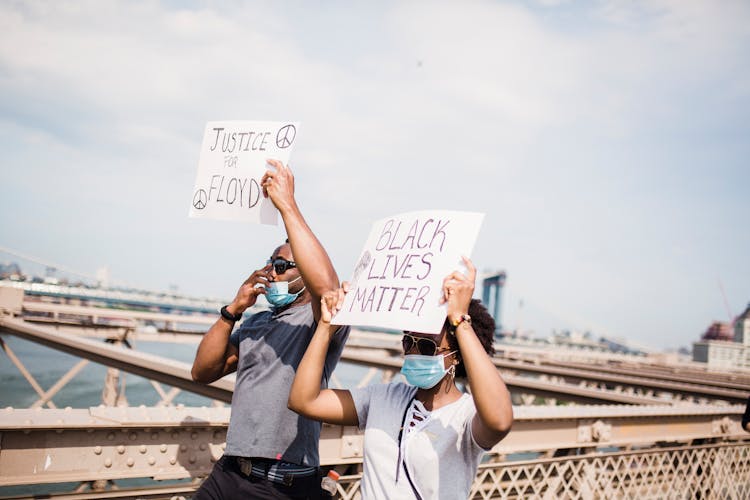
x=587 y=452
x=718 y=471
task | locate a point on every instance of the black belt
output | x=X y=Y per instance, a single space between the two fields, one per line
x=276 y=471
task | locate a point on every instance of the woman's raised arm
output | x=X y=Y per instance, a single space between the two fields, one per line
x=332 y=406
x=491 y=397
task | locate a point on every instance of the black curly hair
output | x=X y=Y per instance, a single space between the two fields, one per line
x=483 y=325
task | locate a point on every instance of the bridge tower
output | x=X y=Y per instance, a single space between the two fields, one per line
x=492 y=287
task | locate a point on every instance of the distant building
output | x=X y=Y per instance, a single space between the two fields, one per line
x=10 y=271
x=742 y=335
x=722 y=354
x=492 y=288
x=718 y=348
x=742 y=327
x=719 y=331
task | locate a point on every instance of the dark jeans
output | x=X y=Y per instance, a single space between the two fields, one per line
x=226 y=481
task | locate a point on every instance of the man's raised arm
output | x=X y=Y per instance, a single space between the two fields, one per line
x=311 y=258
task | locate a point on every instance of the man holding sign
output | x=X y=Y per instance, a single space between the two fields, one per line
x=271 y=452
x=423 y=439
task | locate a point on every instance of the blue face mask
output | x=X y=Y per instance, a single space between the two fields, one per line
x=277 y=293
x=424 y=371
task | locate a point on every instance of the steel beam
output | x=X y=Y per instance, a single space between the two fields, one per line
x=95 y=313
x=170 y=372
x=725 y=381
x=101 y=443
x=515 y=383
x=575 y=375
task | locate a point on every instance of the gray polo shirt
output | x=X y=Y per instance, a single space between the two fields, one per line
x=271 y=345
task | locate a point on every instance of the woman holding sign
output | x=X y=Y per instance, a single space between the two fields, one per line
x=422 y=440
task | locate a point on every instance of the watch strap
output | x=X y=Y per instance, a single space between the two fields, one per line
x=229 y=316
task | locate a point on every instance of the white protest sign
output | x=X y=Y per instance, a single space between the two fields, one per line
x=398 y=280
x=232 y=162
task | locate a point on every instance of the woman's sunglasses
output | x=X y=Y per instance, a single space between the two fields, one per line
x=425 y=346
x=281 y=265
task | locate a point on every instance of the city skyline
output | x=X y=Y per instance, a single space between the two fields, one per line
x=606 y=143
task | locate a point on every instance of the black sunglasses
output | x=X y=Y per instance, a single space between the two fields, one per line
x=281 y=265
x=425 y=346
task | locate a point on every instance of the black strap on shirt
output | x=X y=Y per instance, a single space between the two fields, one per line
x=400 y=462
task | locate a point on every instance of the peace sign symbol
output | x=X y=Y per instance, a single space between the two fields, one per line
x=200 y=199
x=285 y=136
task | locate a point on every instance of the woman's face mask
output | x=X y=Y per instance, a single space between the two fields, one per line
x=277 y=293
x=424 y=371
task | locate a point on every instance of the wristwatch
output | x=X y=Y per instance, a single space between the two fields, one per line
x=229 y=316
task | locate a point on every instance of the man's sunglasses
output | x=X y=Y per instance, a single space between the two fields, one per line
x=281 y=265
x=425 y=346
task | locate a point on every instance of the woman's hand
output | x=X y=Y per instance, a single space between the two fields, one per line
x=458 y=290
x=331 y=303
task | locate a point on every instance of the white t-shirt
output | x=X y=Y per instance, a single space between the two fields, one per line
x=439 y=450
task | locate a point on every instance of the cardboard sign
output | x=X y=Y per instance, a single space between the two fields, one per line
x=398 y=280
x=232 y=163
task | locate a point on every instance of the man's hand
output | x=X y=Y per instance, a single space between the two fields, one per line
x=279 y=186
x=248 y=293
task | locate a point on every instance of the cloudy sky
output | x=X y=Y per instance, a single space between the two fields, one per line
x=606 y=142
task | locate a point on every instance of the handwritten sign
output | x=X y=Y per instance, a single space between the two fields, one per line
x=397 y=282
x=232 y=162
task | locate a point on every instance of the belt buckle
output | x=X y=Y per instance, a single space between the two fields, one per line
x=246 y=466
x=288 y=479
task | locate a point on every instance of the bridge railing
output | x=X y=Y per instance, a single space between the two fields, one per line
x=610 y=452
x=592 y=451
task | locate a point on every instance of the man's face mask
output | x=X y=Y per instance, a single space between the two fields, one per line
x=277 y=293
